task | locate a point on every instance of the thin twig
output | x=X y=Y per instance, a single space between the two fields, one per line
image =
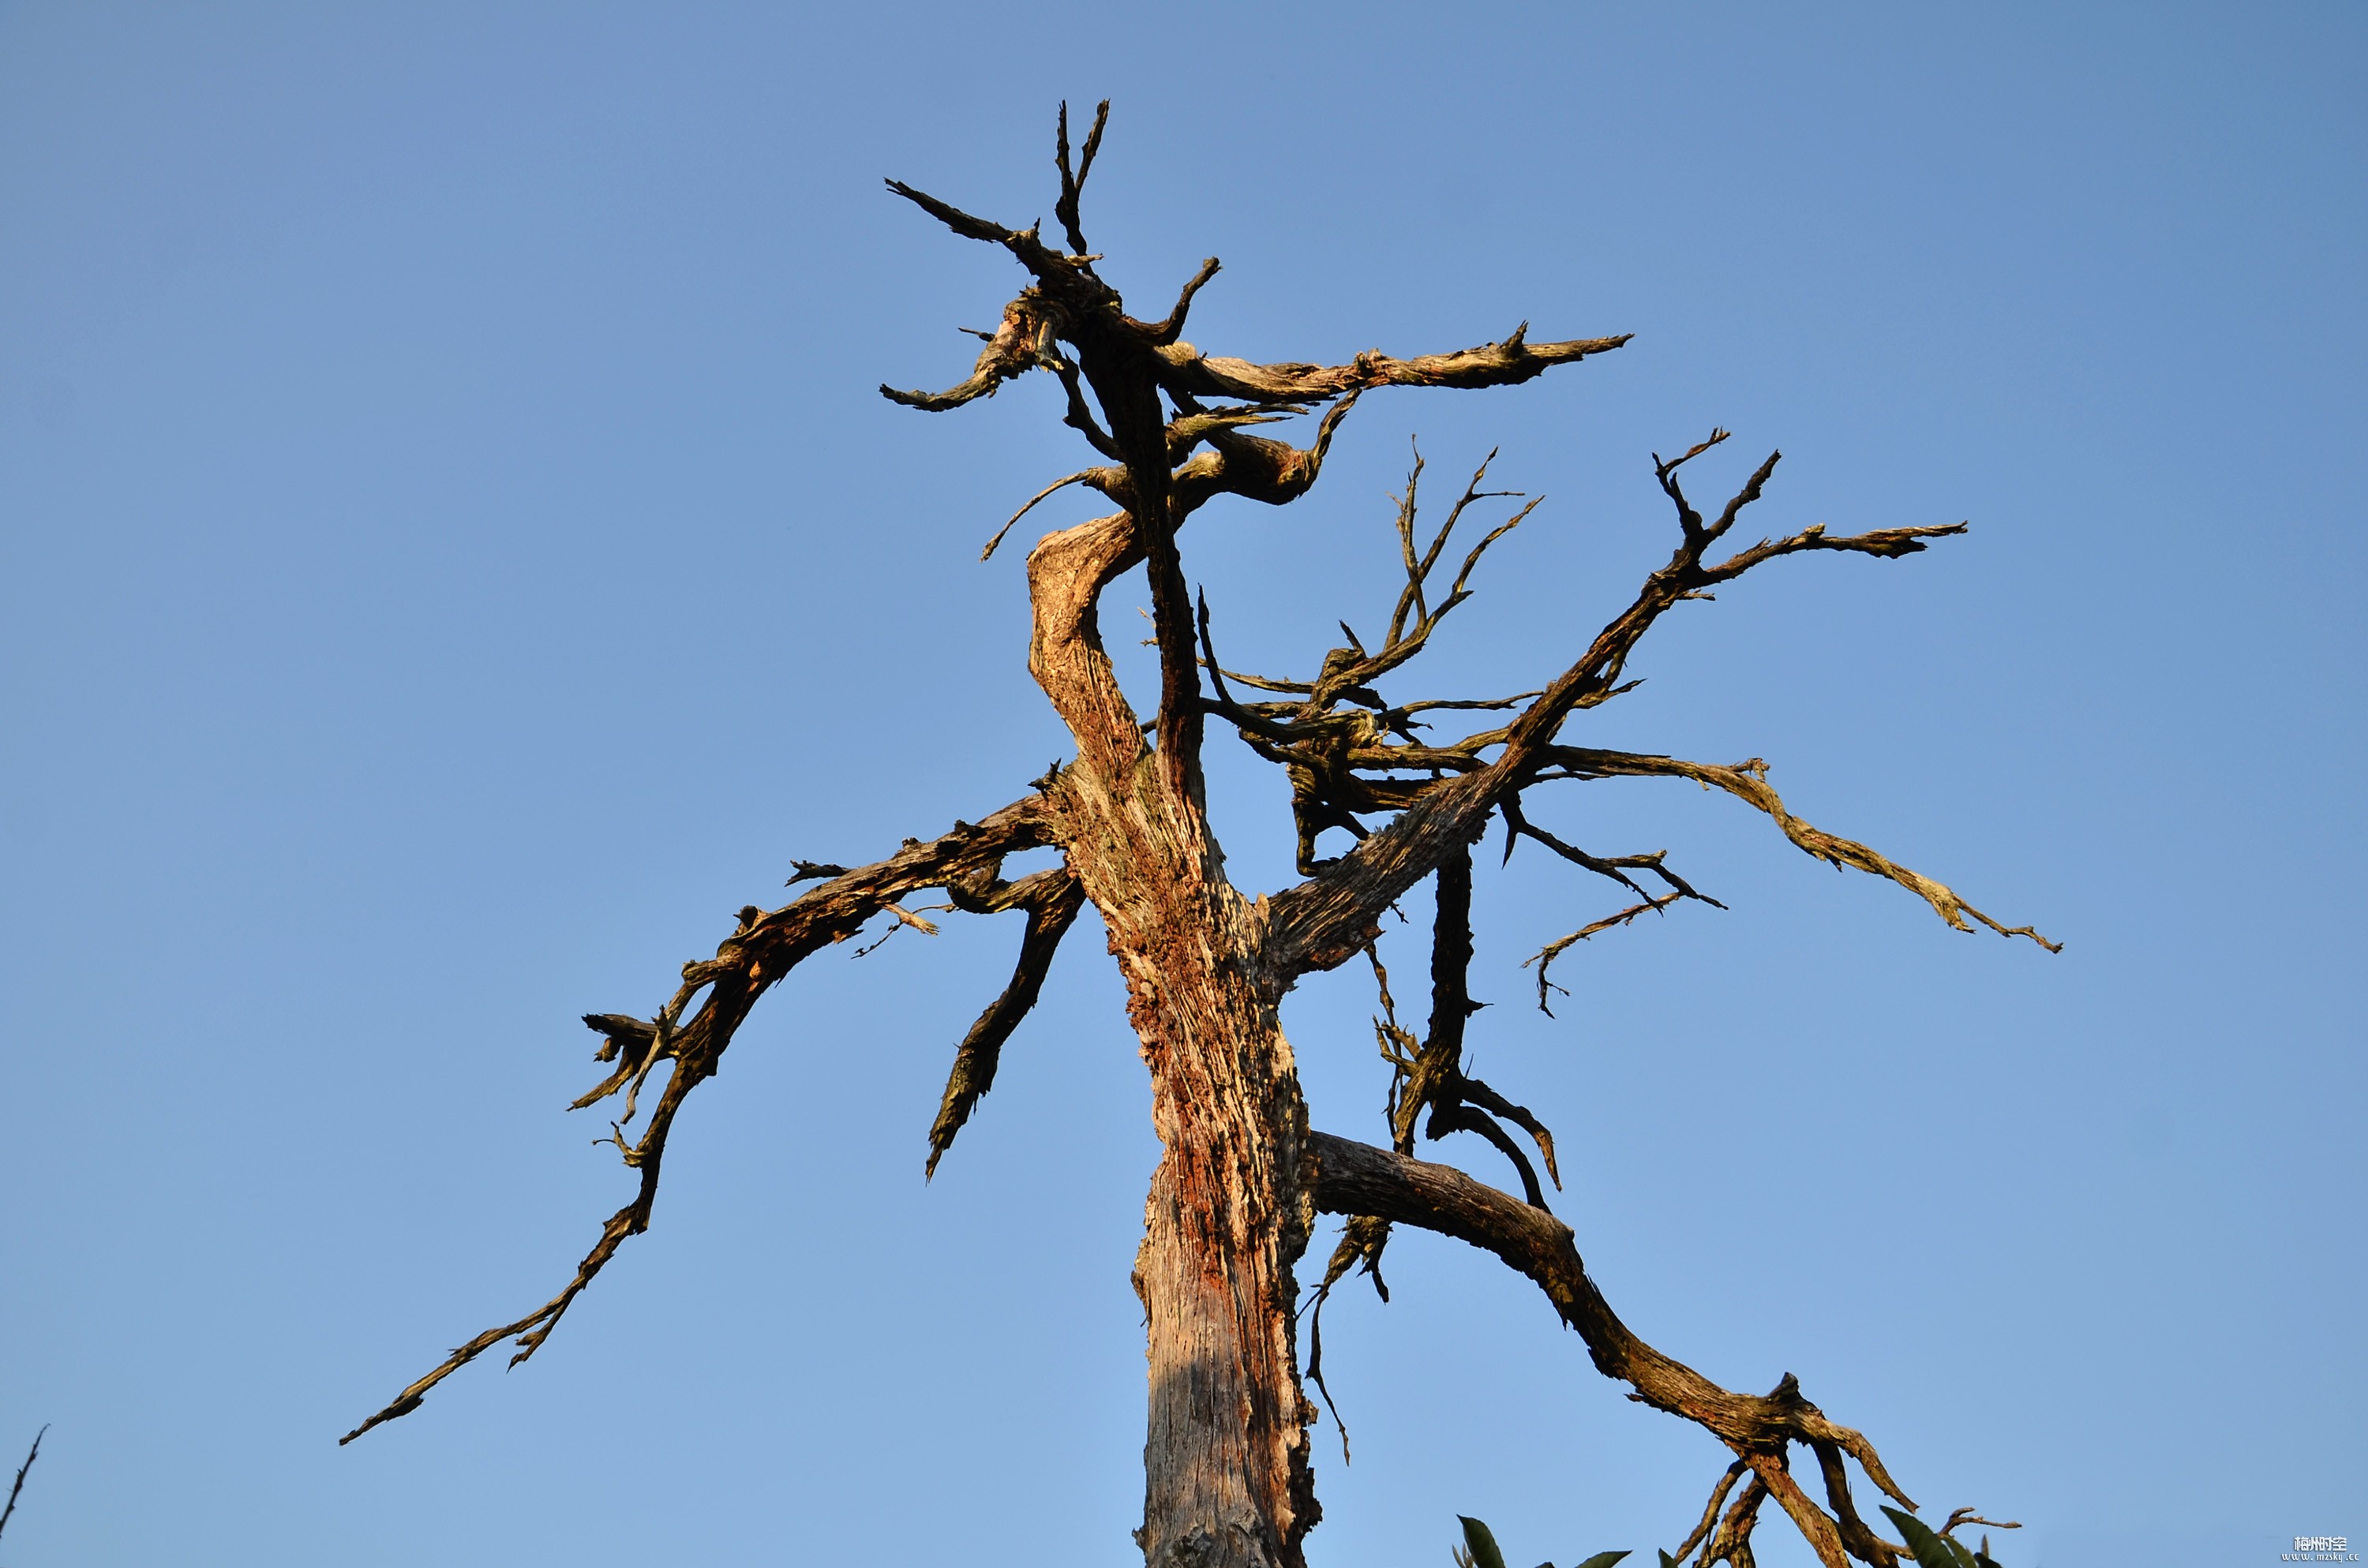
x=9 y=1512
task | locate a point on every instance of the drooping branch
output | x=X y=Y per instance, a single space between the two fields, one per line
x=1545 y=957
x=1358 y=1179
x=1052 y=899
x=763 y=949
x=1748 y=781
x=1431 y=1076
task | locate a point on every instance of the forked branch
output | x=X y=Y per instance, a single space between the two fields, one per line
x=1074 y=184
x=1328 y=917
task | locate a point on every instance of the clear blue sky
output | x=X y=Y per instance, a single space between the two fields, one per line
x=453 y=555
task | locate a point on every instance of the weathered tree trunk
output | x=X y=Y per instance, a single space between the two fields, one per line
x=1227 y=1483
x=1241 y=1176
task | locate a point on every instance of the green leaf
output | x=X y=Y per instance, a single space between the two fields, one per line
x=1606 y=1559
x=1932 y=1551
x=1666 y=1561
x=1483 y=1545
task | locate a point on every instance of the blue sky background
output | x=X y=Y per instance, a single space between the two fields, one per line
x=453 y=555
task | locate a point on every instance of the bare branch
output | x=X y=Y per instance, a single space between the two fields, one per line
x=1163 y=333
x=1748 y=781
x=1067 y=276
x=1967 y=1516
x=1073 y=186
x=1023 y=343
x=1321 y=922
x=1358 y=1179
x=748 y=963
x=1733 y=1541
x=952 y=217
x=1774 y=1471
x=1052 y=903
x=10 y=1511
x=1084 y=474
x=1508 y=363
x=1889 y=543
x=1545 y=958
x=1078 y=416
x=1856 y=1538
x=1725 y=1483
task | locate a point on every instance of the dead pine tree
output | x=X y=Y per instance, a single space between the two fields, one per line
x=1243 y=1175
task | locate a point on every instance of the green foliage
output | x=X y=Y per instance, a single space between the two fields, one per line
x=1480 y=1550
x=1930 y=1549
x=1936 y=1551
x=1479 y=1546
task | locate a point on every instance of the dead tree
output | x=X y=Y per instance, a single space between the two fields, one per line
x=1243 y=1175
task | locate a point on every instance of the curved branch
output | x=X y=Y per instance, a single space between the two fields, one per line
x=1021 y=343
x=1748 y=781
x=1052 y=899
x=1159 y=335
x=1358 y=1179
x=1545 y=956
x=757 y=955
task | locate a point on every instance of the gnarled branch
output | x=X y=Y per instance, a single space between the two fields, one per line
x=1748 y=781
x=758 y=953
x=1352 y=1178
x=1186 y=369
x=1323 y=920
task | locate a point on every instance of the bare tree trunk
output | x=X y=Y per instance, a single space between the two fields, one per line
x=1227 y=1483
x=1226 y=1458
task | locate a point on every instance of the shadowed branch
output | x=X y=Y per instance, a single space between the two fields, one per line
x=1052 y=899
